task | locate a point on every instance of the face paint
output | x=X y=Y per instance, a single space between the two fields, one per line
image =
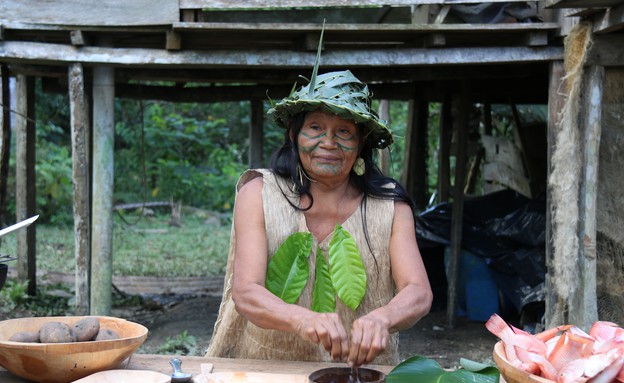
x=328 y=144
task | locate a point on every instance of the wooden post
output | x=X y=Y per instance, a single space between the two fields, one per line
x=102 y=203
x=384 y=154
x=25 y=190
x=415 y=167
x=444 y=153
x=5 y=141
x=583 y=311
x=80 y=178
x=256 y=134
x=554 y=305
x=461 y=124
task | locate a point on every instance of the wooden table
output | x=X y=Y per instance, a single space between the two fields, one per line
x=191 y=364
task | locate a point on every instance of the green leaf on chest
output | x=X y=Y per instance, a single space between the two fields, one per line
x=324 y=295
x=288 y=270
x=348 y=274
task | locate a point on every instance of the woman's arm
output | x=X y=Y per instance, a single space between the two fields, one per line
x=254 y=301
x=370 y=333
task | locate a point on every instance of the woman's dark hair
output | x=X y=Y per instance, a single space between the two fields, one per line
x=372 y=183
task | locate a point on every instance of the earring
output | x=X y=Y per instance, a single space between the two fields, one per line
x=359 y=167
x=300 y=174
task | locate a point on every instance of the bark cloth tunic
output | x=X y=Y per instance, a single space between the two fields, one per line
x=236 y=337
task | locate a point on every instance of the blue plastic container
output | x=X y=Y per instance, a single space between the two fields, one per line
x=477 y=291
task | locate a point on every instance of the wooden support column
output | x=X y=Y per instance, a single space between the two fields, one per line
x=102 y=203
x=256 y=134
x=25 y=190
x=79 y=112
x=5 y=141
x=384 y=154
x=583 y=307
x=415 y=167
x=461 y=130
x=554 y=305
x=444 y=153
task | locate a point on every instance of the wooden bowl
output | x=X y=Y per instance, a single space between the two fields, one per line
x=66 y=362
x=511 y=373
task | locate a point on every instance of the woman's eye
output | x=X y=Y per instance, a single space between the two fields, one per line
x=345 y=133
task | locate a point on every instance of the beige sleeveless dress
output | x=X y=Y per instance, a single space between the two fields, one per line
x=235 y=337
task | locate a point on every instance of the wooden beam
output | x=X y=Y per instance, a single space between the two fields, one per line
x=173 y=41
x=101 y=12
x=103 y=179
x=260 y=4
x=610 y=20
x=25 y=187
x=444 y=148
x=581 y=3
x=79 y=122
x=40 y=53
x=5 y=140
x=78 y=38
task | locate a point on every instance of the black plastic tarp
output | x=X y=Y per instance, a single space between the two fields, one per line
x=504 y=228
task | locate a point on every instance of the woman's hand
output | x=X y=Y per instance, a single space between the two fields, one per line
x=369 y=337
x=325 y=329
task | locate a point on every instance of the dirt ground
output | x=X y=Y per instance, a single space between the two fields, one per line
x=168 y=316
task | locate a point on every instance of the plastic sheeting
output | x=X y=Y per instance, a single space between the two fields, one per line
x=504 y=228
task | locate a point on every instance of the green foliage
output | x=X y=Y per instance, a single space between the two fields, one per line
x=424 y=370
x=288 y=271
x=47 y=302
x=347 y=271
x=14 y=292
x=323 y=295
x=183 y=344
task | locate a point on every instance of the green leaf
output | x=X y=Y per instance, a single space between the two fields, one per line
x=423 y=370
x=288 y=270
x=324 y=295
x=346 y=268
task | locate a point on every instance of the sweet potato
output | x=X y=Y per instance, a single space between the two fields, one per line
x=25 y=336
x=106 y=334
x=86 y=329
x=55 y=332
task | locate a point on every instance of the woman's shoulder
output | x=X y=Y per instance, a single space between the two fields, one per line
x=261 y=177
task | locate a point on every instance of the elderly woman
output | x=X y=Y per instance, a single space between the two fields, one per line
x=323 y=184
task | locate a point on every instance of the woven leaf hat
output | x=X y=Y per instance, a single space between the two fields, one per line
x=339 y=93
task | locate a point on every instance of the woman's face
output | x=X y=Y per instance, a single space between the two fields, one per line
x=328 y=145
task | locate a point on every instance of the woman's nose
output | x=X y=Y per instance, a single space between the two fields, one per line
x=329 y=140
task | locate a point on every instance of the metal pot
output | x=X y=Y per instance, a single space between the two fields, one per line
x=345 y=375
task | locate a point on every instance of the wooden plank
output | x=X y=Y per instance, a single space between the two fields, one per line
x=584 y=301
x=101 y=12
x=25 y=189
x=20 y=52
x=503 y=151
x=264 y=4
x=336 y=28
x=102 y=202
x=500 y=174
x=79 y=123
x=5 y=140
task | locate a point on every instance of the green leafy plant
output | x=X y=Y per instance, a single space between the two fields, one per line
x=323 y=295
x=424 y=370
x=183 y=344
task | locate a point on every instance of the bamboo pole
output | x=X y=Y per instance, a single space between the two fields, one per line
x=384 y=154
x=80 y=179
x=102 y=203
